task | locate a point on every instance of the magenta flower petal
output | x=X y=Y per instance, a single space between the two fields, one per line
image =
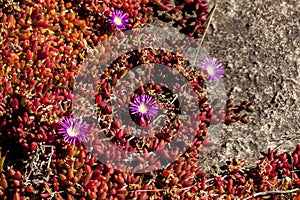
x=73 y=129
x=144 y=106
x=119 y=19
x=213 y=68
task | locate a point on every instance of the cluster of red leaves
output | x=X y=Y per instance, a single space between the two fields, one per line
x=77 y=177
x=274 y=172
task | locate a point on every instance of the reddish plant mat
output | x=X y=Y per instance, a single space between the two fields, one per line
x=42 y=47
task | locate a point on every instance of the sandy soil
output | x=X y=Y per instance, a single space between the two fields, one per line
x=258 y=42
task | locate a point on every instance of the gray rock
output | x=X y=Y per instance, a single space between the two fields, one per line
x=259 y=44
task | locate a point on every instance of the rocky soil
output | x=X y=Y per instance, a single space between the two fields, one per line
x=259 y=44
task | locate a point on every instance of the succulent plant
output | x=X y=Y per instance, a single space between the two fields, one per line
x=43 y=46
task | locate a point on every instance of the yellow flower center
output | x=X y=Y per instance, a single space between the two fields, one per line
x=143 y=109
x=72 y=132
x=118 y=21
x=210 y=70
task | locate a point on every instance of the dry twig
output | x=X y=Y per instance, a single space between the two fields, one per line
x=272 y=193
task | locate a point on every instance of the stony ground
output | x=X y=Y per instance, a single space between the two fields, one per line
x=258 y=42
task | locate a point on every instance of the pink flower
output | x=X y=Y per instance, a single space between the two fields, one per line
x=73 y=129
x=144 y=106
x=213 y=68
x=119 y=19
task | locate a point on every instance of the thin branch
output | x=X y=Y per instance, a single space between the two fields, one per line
x=273 y=192
x=161 y=190
x=209 y=21
x=211 y=14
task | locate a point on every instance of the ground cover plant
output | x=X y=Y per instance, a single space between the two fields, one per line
x=44 y=47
